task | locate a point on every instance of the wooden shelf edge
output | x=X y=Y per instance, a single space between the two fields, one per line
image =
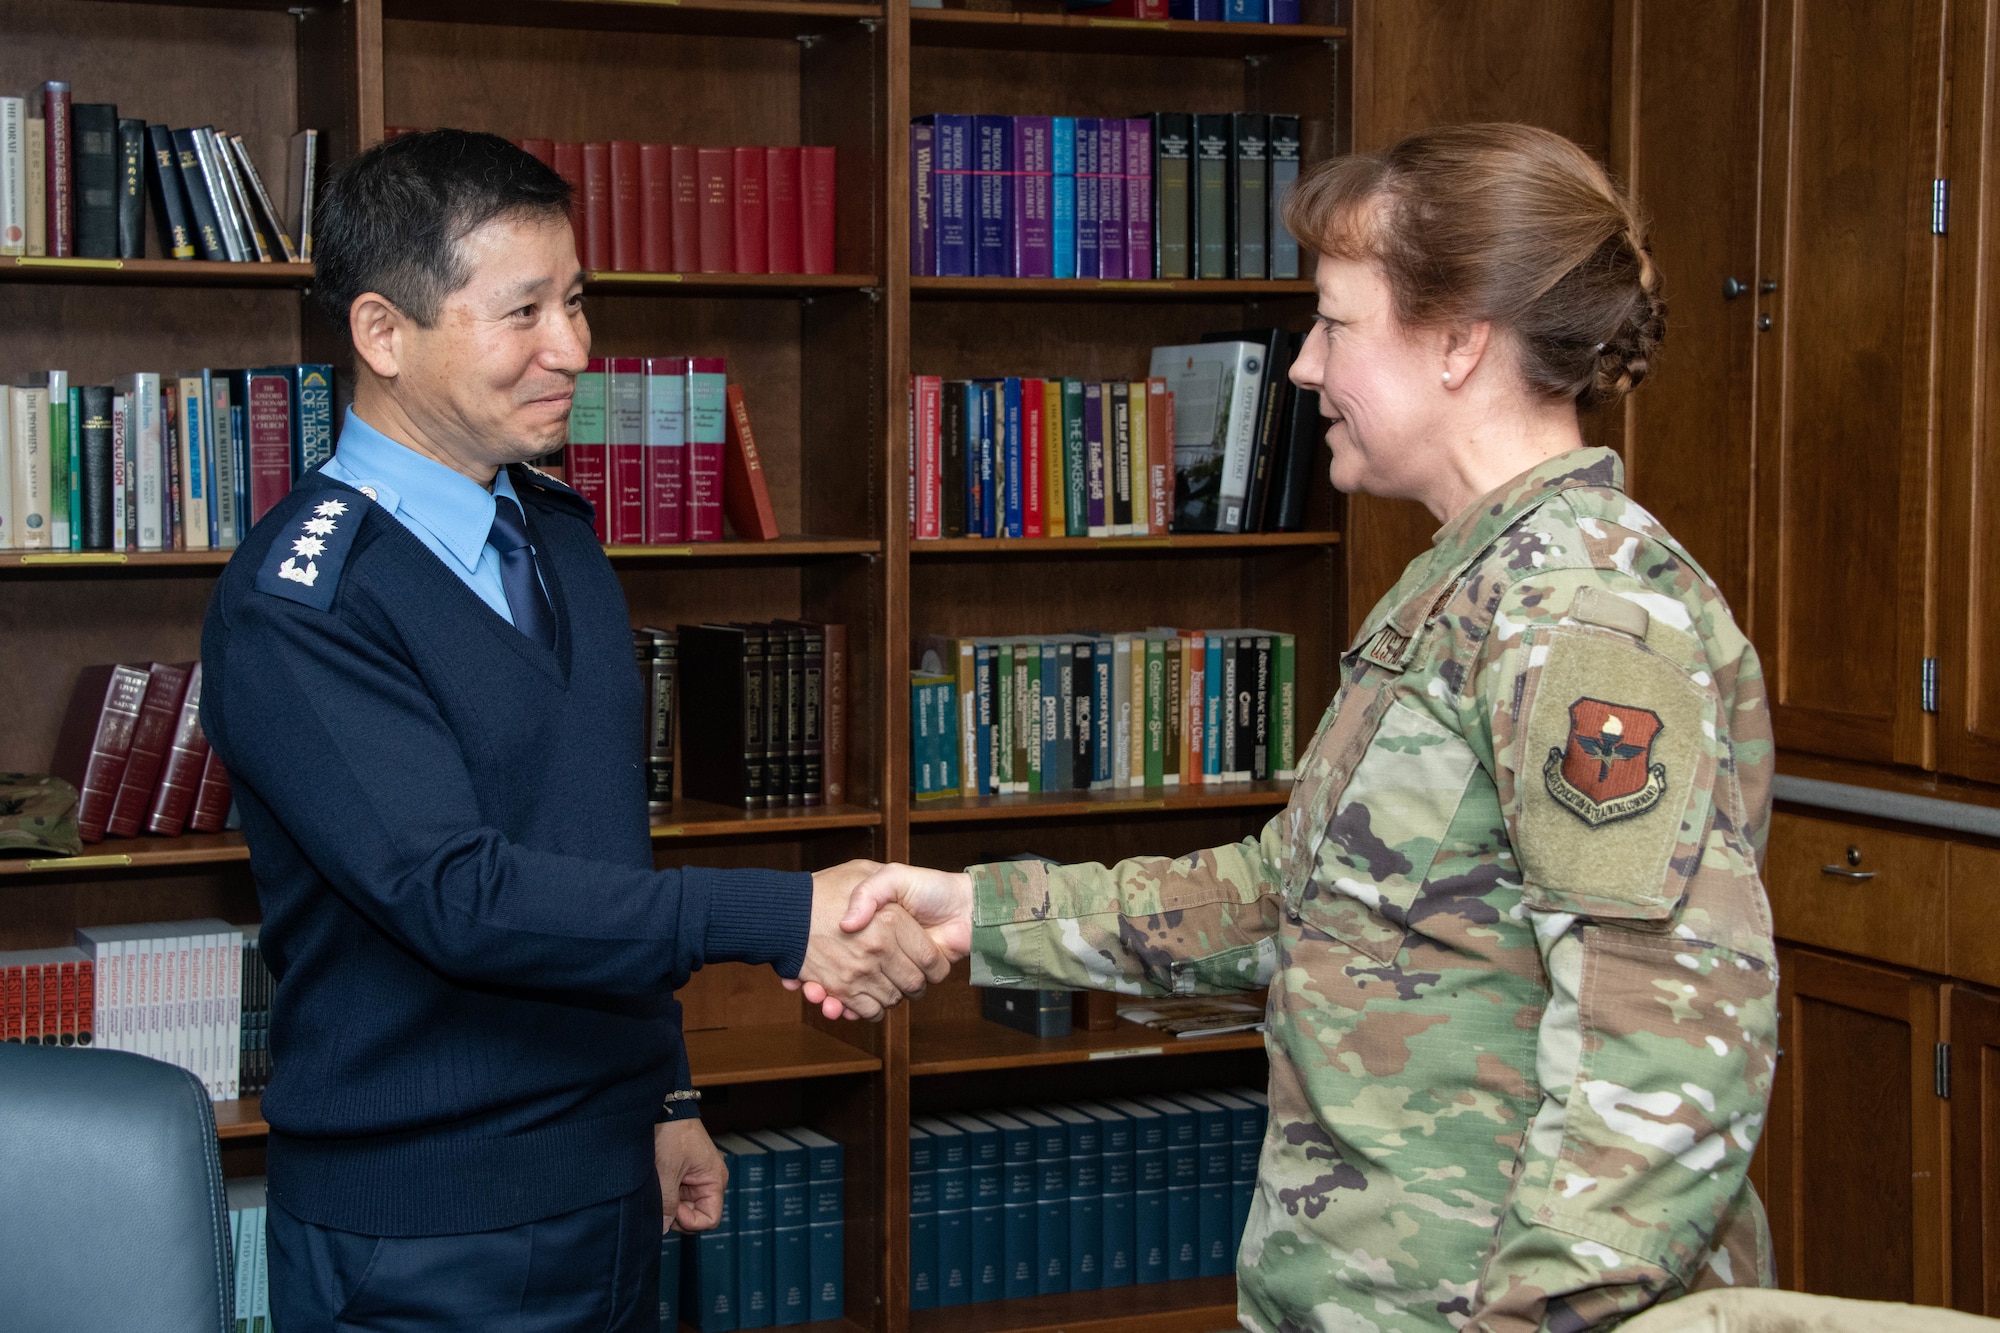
x=1182 y=541
x=705 y=819
x=643 y=15
x=778 y=548
x=1085 y=805
x=1194 y=1305
x=1262 y=34
x=709 y=284
x=772 y=1053
x=153 y=272
x=1102 y=289
x=121 y=854
x=975 y=1045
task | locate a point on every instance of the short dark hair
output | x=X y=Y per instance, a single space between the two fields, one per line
x=390 y=221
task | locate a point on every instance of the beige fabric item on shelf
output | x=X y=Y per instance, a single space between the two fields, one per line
x=1751 y=1310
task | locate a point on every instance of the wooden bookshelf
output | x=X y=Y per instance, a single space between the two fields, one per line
x=114 y=562
x=1183 y=542
x=1119 y=803
x=987 y=29
x=723 y=284
x=718 y=18
x=1194 y=1305
x=154 y=272
x=971 y=1045
x=1105 y=289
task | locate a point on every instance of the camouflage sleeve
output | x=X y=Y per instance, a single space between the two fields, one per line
x=1609 y=747
x=1151 y=925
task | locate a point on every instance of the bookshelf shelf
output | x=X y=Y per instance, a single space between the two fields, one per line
x=968 y=1045
x=706 y=819
x=1175 y=542
x=784 y=548
x=1101 y=804
x=769 y=1052
x=153 y=272
x=1196 y=1305
x=726 y=284
x=1077 y=32
x=1103 y=289
x=746 y=18
x=240 y=1119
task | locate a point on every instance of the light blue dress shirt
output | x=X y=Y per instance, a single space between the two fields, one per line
x=446 y=510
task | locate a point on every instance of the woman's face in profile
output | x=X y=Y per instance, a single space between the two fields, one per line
x=1378 y=385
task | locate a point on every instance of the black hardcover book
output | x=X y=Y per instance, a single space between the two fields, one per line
x=1083 y=686
x=814 y=705
x=1301 y=456
x=791 y=698
x=1211 y=196
x=658 y=652
x=131 y=189
x=201 y=205
x=1249 y=192
x=1278 y=350
x=1173 y=160
x=716 y=730
x=1118 y=402
x=94 y=175
x=170 y=210
x=763 y=717
x=1284 y=253
x=94 y=438
x=951 y=457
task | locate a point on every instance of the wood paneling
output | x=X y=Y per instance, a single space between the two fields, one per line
x=1975 y=1151
x=1851 y=143
x=1856 y=1137
x=1975 y=912
x=1859 y=890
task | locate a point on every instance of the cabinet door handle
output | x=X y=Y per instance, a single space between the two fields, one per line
x=1842 y=872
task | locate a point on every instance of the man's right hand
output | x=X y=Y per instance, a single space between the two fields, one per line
x=940 y=902
x=864 y=969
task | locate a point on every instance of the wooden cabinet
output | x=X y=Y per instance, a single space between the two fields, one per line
x=1855 y=1146
x=1975 y=1151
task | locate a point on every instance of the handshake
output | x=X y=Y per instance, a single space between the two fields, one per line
x=881 y=932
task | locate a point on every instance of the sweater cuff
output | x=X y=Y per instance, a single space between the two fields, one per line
x=758 y=916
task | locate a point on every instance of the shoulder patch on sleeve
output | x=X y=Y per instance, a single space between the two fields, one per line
x=1614 y=778
x=1606 y=609
x=304 y=563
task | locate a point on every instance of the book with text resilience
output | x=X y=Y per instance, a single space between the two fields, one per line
x=715 y=170
x=312 y=416
x=586 y=453
x=566 y=160
x=1111 y=260
x=1139 y=433
x=145 y=480
x=261 y=202
x=152 y=735
x=1088 y=201
x=1172 y=134
x=666 y=449
x=1118 y=457
x=952 y=194
x=1284 y=708
x=95 y=179
x=96 y=477
x=1277 y=347
x=192 y=438
x=96 y=740
x=1216 y=388
x=923 y=198
x=818 y=201
x=1149 y=1188
x=750 y=206
x=1138 y=193
x=35 y=159
x=60 y=220
x=833 y=762
x=1052 y=1212
x=1062 y=196
x=180 y=775
x=1302 y=438
x=212 y=798
x=131 y=189
x=923 y=1219
x=1211 y=240
x=659 y=665
x=268 y=416
x=625 y=450
x=1249 y=183
x=1096 y=438
x=718 y=733
x=750 y=1166
x=993 y=200
x=825 y=1214
x=1283 y=253
x=302 y=189
x=13 y=176
x=656 y=208
x=685 y=171
x=1033 y=199
x=597 y=207
x=209 y=236
x=785 y=207
x=627 y=202
x=43 y=1000
x=707 y=432
x=170 y=206
x=746 y=495
x=708 y=1268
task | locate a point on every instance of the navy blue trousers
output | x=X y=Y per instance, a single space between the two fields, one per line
x=596 y=1269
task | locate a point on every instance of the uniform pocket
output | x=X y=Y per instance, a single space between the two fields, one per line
x=1378 y=844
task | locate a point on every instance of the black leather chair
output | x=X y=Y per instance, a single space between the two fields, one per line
x=111 y=1205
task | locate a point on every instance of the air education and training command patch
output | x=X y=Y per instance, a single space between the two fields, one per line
x=304 y=565
x=1603 y=773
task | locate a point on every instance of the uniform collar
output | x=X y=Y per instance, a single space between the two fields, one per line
x=457 y=510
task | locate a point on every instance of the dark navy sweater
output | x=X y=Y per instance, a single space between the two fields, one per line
x=474 y=1022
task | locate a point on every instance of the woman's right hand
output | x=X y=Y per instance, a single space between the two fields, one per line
x=940 y=901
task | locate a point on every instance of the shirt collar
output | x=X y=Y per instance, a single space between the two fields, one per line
x=457 y=510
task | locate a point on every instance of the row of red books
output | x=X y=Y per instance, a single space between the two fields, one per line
x=661 y=446
x=680 y=208
x=132 y=746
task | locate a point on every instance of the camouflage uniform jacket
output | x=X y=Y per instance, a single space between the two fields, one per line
x=1522 y=989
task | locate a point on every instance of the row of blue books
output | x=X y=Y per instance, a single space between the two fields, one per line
x=1080 y=1196
x=776 y=1257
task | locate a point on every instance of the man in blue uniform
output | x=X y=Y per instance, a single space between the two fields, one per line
x=419 y=672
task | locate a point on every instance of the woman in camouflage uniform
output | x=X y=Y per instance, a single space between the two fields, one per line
x=1521 y=977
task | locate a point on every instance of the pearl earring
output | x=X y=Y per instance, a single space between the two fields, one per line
x=1447 y=377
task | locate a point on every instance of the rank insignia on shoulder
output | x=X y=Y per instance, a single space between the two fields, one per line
x=304 y=564
x=1602 y=773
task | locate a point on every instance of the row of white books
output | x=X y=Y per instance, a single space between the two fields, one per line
x=173 y=991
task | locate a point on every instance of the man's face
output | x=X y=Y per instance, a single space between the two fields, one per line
x=493 y=376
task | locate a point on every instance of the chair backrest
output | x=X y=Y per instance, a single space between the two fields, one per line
x=111 y=1204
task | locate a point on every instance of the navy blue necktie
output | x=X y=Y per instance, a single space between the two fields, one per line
x=525 y=598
